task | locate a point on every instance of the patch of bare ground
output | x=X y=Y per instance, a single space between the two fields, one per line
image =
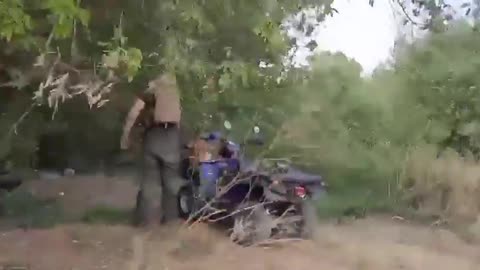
x=78 y=194
x=375 y=243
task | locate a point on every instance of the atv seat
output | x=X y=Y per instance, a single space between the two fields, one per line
x=298 y=177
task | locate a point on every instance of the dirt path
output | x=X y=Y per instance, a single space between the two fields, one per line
x=370 y=244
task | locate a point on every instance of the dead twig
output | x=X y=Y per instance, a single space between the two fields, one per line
x=239 y=211
x=407 y=15
x=203 y=218
x=439 y=222
x=276 y=241
x=14 y=127
x=222 y=192
x=398 y=218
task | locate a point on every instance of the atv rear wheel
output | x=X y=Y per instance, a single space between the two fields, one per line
x=251 y=225
x=310 y=219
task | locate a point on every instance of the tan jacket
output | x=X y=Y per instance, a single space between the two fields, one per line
x=159 y=104
x=166 y=107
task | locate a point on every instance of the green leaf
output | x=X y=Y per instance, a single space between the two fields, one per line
x=244 y=76
x=103 y=44
x=111 y=60
x=134 y=60
x=83 y=16
x=64 y=28
x=469 y=129
x=135 y=54
x=225 y=81
x=13 y=20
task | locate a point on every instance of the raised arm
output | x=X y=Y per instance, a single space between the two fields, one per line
x=130 y=121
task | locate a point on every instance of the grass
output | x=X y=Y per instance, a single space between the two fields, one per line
x=23 y=209
x=431 y=188
x=448 y=186
x=107 y=215
x=28 y=211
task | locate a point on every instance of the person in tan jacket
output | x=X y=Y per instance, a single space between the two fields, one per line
x=160 y=111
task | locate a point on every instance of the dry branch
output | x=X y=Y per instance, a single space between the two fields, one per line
x=276 y=241
x=63 y=82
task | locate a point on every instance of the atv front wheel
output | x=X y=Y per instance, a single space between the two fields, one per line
x=185 y=202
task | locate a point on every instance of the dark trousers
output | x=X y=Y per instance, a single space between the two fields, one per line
x=161 y=181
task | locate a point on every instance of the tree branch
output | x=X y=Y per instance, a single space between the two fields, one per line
x=14 y=127
x=407 y=15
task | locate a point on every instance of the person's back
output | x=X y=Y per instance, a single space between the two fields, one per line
x=161 y=113
x=167 y=99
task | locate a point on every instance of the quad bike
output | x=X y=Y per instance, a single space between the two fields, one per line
x=263 y=199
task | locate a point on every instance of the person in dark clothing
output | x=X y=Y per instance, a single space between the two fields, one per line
x=161 y=113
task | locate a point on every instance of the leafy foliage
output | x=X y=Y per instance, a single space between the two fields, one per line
x=448 y=87
x=233 y=61
x=63 y=14
x=363 y=134
x=13 y=20
x=215 y=47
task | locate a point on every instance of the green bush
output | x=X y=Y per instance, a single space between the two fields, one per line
x=27 y=211
x=360 y=133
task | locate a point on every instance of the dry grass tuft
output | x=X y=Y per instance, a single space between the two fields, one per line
x=474 y=230
x=447 y=186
